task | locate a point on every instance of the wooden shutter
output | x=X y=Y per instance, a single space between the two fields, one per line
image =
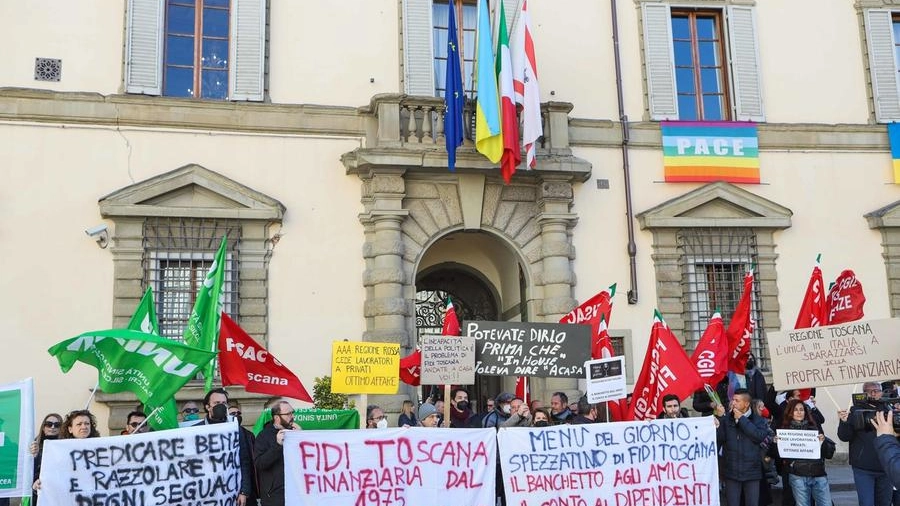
x=248 y=48
x=882 y=65
x=512 y=8
x=143 y=47
x=745 y=69
x=418 y=53
x=659 y=59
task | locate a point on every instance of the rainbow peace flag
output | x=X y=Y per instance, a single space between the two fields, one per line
x=894 y=139
x=702 y=151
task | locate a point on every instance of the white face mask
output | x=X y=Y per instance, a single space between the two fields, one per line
x=382 y=424
x=506 y=408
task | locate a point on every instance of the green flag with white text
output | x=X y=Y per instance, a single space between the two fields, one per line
x=151 y=367
x=144 y=320
x=315 y=419
x=202 y=330
x=16 y=432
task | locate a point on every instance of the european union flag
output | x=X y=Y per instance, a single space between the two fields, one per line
x=453 y=92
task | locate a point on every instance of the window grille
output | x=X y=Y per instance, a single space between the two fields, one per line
x=178 y=254
x=714 y=262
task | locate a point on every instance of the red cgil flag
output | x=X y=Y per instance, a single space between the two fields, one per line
x=740 y=329
x=711 y=355
x=591 y=312
x=666 y=370
x=845 y=299
x=601 y=344
x=244 y=362
x=523 y=389
x=814 y=308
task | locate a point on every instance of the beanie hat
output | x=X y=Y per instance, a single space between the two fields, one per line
x=426 y=410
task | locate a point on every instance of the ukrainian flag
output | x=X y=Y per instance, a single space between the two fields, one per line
x=488 y=138
x=894 y=139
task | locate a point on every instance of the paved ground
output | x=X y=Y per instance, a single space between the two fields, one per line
x=843 y=491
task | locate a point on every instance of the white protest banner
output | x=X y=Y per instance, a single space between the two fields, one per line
x=448 y=360
x=799 y=444
x=605 y=379
x=844 y=354
x=189 y=466
x=16 y=432
x=656 y=463
x=390 y=467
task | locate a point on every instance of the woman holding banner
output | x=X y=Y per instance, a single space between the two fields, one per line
x=80 y=424
x=807 y=476
x=49 y=429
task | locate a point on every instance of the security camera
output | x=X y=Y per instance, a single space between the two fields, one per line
x=96 y=230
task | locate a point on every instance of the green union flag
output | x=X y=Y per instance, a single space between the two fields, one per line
x=202 y=330
x=16 y=422
x=144 y=320
x=151 y=367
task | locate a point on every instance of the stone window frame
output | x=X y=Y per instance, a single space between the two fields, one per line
x=715 y=205
x=191 y=191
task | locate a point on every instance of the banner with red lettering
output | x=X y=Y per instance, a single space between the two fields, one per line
x=711 y=355
x=845 y=299
x=667 y=370
x=740 y=329
x=244 y=362
x=662 y=462
x=413 y=466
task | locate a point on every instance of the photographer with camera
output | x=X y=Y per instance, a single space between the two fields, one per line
x=873 y=488
x=887 y=446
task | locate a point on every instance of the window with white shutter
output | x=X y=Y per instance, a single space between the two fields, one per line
x=208 y=49
x=701 y=64
x=882 y=45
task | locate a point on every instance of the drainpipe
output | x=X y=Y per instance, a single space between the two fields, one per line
x=623 y=120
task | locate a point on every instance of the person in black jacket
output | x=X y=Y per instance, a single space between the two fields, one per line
x=269 y=456
x=807 y=477
x=887 y=446
x=740 y=433
x=872 y=486
x=216 y=404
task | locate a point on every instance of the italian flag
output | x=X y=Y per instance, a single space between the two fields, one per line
x=509 y=122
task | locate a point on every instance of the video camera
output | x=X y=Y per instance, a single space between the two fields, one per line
x=861 y=418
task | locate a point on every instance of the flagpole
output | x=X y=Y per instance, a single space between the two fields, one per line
x=91 y=398
x=144 y=421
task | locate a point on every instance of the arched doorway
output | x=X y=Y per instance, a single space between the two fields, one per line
x=473 y=299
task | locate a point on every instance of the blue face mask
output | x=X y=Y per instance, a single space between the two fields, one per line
x=192 y=416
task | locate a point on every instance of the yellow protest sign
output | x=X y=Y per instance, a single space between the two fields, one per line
x=365 y=368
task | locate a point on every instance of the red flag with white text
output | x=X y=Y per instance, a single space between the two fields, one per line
x=601 y=344
x=242 y=361
x=411 y=369
x=740 y=329
x=813 y=310
x=666 y=370
x=845 y=299
x=591 y=311
x=523 y=389
x=711 y=355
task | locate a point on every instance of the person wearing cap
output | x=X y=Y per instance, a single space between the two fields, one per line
x=428 y=415
x=501 y=413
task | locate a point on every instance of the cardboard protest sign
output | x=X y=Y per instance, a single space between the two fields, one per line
x=799 y=444
x=448 y=360
x=849 y=353
x=605 y=379
x=16 y=432
x=544 y=350
x=180 y=466
x=392 y=466
x=365 y=368
x=671 y=461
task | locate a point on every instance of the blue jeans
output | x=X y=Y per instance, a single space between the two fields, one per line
x=805 y=487
x=749 y=490
x=872 y=488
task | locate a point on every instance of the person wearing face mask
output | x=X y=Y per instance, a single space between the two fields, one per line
x=190 y=413
x=460 y=411
x=541 y=418
x=520 y=415
x=247 y=441
x=216 y=404
x=375 y=418
x=501 y=413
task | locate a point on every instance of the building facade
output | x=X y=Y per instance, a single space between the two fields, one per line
x=310 y=133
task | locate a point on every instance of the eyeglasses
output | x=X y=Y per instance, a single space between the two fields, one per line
x=52 y=425
x=135 y=425
x=235 y=413
x=280 y=414
x=190 y=411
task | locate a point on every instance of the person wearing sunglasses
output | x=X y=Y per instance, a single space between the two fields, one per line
x=269 y=454
x=190 y=412
x=49 y=429
x=136 y=423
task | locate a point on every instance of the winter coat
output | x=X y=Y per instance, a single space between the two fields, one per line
x=862 y=444
x=740 y=441
x=269 y=458
x=888 y=449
